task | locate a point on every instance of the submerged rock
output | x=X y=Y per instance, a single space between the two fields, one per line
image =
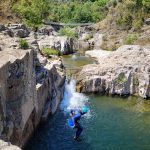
x=124 y=71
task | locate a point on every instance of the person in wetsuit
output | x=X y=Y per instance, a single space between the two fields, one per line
x=76 y=115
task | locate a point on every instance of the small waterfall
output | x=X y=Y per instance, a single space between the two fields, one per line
x=73 y=99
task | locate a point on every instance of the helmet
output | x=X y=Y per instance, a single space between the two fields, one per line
x=84 y=109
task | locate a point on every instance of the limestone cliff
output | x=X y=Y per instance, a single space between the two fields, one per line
x=29 y=91
x=124 y=71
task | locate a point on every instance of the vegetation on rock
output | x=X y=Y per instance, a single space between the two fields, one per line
x=23 y=44
x=131 y=39
x=68 y=32
x=49 y=51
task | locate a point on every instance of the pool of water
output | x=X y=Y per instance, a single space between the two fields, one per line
x=74 y=63
x=114 y=124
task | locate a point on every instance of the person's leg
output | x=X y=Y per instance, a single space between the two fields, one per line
x=79 y=131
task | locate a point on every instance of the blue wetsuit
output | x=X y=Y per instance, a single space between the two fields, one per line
x=76 y=118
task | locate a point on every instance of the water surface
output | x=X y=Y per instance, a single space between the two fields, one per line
x=75 y=62
x=115 y=124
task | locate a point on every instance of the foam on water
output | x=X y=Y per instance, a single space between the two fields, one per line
x=73 y=99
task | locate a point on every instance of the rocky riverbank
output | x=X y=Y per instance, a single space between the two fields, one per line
x=124 y=72
x=31 y=86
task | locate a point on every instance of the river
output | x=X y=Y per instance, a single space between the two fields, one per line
x=113 y=123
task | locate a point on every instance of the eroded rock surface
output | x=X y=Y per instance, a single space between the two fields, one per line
x=125 y=71
x=89 y=38
x=29 y=92
x=45 y=37
x=61 y=43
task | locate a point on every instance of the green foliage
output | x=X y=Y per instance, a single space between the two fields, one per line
x=146 y=3
x=131 y=39
x=137 y=24
x=68 y=32
x=23 y=44
x=125 y=21
x=49 y=51
x=33 y=12
x=132 y=13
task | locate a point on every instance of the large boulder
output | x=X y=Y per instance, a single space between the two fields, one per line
x=28 y=92
x=47 y=30
x=89 y=38
x=125 y=71
x=60 y=43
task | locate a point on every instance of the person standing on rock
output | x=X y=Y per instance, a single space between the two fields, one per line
x=75 y=117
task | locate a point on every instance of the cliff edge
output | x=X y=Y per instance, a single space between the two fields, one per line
x=29 y=92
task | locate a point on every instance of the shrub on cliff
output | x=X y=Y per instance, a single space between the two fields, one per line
x=131 y=13
x=49 y=51
x=68 y=32
x=131 y=39
x=23 y=44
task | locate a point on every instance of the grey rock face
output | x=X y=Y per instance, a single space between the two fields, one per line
x=27 y=91
x=125 y=71
x=47 y=30
x=88 y=38
x=44 y=37
x=60 y=43
x=17 y=30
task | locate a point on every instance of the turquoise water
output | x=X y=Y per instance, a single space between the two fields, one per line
x=114 y=124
